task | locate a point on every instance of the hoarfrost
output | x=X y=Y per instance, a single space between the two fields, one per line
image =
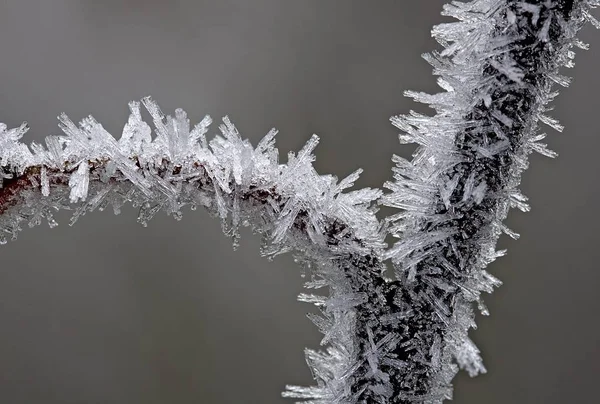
x=385 y=340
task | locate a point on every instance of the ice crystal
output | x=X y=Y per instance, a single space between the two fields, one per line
x=397 y=340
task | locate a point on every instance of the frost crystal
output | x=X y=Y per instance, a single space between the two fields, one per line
x=395 y=340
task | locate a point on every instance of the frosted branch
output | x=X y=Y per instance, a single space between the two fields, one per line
x=387 y=341
x=334 y=233
x=498 y=68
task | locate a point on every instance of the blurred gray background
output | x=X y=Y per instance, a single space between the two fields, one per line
x=110 y=312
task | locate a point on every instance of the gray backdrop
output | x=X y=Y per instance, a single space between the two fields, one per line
x=110 y=312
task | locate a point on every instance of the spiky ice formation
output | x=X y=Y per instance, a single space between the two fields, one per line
x=387 y=341
x=498 y=68
x=333 y=233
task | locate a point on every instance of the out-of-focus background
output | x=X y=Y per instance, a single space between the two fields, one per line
x=110 y=312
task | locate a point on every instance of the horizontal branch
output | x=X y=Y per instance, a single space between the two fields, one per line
x=334 y=233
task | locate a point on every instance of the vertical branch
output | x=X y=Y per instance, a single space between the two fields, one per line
x=498 y=68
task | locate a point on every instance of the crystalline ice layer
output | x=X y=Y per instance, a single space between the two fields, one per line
x=454 y=195
x=464 y=175
x=292 y=204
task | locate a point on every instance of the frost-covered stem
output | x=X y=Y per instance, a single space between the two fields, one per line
x=388 y=341
x=334 y=233
x=498 y=68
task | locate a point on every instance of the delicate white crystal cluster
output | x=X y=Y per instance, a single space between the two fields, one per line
x=395 y=340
